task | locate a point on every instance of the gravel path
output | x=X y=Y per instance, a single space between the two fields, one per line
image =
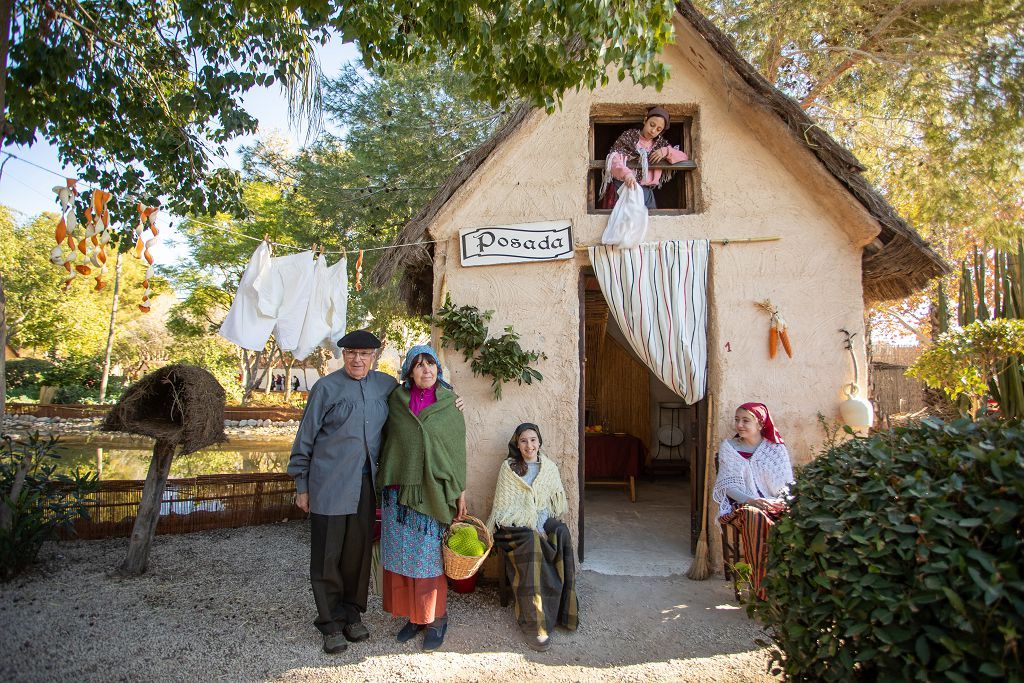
x=235 y=605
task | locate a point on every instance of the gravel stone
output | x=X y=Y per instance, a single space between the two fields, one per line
x=235 y=604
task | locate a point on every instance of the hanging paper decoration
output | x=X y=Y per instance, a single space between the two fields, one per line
x=147 y=219
x=65 y=233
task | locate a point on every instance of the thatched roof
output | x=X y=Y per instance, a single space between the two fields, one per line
x=178 y=404
x=897 y=265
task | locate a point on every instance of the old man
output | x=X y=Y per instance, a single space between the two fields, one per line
x=333 y=462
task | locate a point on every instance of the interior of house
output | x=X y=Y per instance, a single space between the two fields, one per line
x=643 y=457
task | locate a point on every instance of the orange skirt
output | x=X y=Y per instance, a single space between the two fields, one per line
x=421 y=600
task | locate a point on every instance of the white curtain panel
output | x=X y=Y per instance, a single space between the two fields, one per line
x=657 y=293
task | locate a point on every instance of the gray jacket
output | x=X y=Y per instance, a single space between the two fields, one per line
x=341 y=427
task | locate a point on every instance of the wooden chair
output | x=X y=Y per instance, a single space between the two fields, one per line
x=732 y=550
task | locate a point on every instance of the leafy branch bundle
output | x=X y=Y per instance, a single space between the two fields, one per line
x=503 y=359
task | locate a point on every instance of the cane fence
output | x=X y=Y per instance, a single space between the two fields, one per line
x=216 y=501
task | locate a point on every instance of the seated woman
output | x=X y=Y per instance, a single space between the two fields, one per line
x=754 y=474
x=527 y=500
x=423 y=476
x=640 y=146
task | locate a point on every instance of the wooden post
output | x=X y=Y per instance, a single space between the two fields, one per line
x=149 y=510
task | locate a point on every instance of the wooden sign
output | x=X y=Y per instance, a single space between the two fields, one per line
x=544 y=241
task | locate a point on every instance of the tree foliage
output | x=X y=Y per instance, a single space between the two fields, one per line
x=40 y=314
x=928 y=94
x=142 y=95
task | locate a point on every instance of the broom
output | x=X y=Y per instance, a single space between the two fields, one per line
x=700 y=569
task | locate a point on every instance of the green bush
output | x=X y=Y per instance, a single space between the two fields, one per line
x=76 y=371
x=35 y=500
x=900 y=559
x=22 y=373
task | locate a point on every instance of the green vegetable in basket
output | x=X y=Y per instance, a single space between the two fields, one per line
x=465 y=542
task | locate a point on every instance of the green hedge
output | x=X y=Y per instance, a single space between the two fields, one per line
x=26 y=372
x=901 y=559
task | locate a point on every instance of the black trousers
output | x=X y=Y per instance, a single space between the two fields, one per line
x=339 y=563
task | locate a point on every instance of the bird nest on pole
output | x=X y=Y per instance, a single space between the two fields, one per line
x=182 y=407
x=178 y=405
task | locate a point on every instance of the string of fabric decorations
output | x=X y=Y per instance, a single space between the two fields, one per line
x=86 y=249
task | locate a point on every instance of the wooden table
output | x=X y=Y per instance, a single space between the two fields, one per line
x=613 y=459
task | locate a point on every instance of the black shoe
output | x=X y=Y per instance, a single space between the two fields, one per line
x=435 y=635
x=356 y=632
x=334 y=643
x=409 y=631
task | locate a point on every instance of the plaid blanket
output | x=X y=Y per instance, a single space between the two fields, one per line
x=543 y=576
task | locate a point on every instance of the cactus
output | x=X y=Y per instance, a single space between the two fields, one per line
x=1007 y=387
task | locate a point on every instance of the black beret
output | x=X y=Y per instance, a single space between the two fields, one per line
x=360 y=339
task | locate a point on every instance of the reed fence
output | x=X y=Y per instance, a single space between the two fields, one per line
x=215 y=501
x=891 y=390
x=66 y=410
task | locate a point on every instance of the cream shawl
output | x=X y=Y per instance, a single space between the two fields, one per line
x=517 y=503
x=767 y=474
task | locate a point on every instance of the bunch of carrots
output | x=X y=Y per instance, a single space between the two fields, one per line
x=777 y=331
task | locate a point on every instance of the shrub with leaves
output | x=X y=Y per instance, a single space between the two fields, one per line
x=900 y=559
x=463 y=329
x=35 y=500
x=26 y=372
x=504 y=360
x=976 y=361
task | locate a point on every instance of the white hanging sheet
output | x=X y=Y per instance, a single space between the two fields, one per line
x=286 y=296
x=244 y=325
x=337 y=304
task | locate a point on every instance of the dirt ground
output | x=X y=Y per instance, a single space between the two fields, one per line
x=235 y=605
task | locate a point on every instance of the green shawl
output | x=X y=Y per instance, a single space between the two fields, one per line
x=425 y=455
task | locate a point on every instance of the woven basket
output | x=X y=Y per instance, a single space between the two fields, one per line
x=458 y=566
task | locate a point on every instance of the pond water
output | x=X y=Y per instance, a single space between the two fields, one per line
x=121 y=462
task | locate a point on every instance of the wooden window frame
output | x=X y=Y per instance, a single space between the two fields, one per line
x=683 y=116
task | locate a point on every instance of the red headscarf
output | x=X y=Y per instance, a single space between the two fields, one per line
x=768 y=430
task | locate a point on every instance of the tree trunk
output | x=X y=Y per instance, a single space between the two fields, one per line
x=110 y=329
x=288 y=380
x=149 y=510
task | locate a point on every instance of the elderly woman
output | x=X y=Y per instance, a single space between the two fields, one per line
x=528 y=498
x=640 y=147
x=423 y=476
x=754 y=474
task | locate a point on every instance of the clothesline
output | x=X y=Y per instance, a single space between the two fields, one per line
x=235 y=232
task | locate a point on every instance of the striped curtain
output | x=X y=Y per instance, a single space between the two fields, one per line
x=657 y=293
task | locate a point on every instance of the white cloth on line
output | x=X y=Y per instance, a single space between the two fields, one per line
x=315 y=326
x=286 y=296
x=244 y=325
x=337 y=304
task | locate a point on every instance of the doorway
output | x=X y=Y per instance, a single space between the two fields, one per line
x=633 y=426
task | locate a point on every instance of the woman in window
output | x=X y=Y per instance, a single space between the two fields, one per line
x=754 y=474
x=423 y=476
x=527 y=501
x=641 y=147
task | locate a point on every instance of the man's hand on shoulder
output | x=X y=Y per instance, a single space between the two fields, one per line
x=460 y=404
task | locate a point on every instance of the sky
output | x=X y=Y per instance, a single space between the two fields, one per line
x=26 y=189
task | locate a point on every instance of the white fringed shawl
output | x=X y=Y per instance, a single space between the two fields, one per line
x=767 y=474
x=516 y=503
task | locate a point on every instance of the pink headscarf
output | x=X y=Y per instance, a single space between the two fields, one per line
x=768 y=430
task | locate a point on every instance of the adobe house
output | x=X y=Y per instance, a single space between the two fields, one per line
x=759 y=168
